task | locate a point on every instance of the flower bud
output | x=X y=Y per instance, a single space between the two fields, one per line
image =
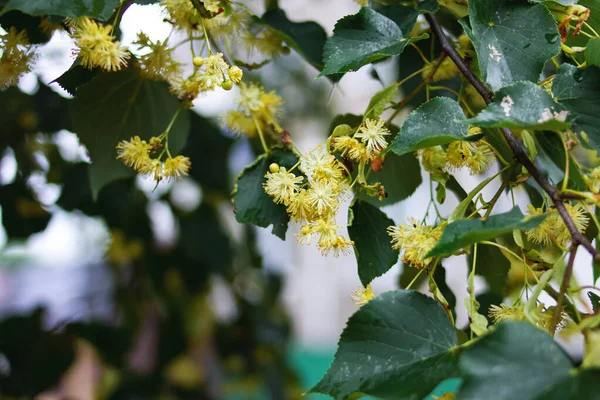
x=198 y=61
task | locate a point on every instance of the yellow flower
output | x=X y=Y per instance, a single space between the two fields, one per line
x=235 y=74
x=238 y=122
x=461 y=153
x=177 y=167
x=372 y=134
x=158 y=63
x=153 y=169
x=553 y=229
x=17 y=56
x=322 y=195
x=363 y=295
x=318 y=164
x=504 y=312
x=299 y=208
x=97 y=47
x=134 y=153
x=267 y=43
x=593 y=180
x=416 y=240
x=182 y=14
x=351 y=148
x=282 y=185
x=215 y=64
x=434 y=159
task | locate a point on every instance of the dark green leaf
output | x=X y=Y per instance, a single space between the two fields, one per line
x=463 y=233
x=440 y=279
x=208 y=151
x=552 y=145
x=434 y=123
x=363 y=38
x=307 y=38
x=515 y=361
x=400 y=176
x=76 y=193
x=99 y=9
x=581 y=385
x=75 y=77
x=380 y=100
x=408 y=274
x=372 y=248
x=22 y=214
x=579 y=92
x=26 y=22
x=592 y=52
x=493 y=266
x=204 y=241
x=595 y=300
x=252 y=204
x=116 y=106
x=396 y=346
x=523 y=105
x=513 y=40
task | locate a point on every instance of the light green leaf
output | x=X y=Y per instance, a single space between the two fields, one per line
x=513 y=40
x=432 y=124
x=400 y=176
x=116 y=106
x=397 y=345
x=592 y=52
x=252 y=204
x=515 y=361
x=561 y=2
x=99 y=9
x=363 y=38
x=372 y=247
x=579 y=92
x=380 y=100
x=463 y=233
x=523 y=105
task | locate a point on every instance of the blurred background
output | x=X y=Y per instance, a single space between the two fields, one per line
x=271 y=331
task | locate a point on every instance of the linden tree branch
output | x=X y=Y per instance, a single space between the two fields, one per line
x=522 y=157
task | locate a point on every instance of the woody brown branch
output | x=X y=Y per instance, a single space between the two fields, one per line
x=520 y=155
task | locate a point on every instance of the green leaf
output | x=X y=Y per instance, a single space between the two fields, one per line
x=372 y=247
x=552 y=145
x=592 y=52
x=307 y=38
x=432 y=124
x=515 y=361
x=363 y=38
x=252 y=204
x=380 y=100
x=22 y=214
x=116 y=106
x=208 y=150
x=523 y=105
x=463 y=233
x=595 y=300
x=579 y=92
x=513 y=40
x=400 y=176
x=493 y=266
x=98 y=9
x=395 y=346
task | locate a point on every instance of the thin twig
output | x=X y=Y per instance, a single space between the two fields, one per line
x=563 y=288
x=554 y=194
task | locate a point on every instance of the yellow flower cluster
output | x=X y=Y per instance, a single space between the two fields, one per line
x=553 y=229
x=136 y=153
x=593 y=180
x=363 y=295
x=210 y=72
x=97 y=47
x=313 y=202
x=416 y=240
x=476 y=156
x=364 y=145
x=542 y=315
x=158 y=63
x=17 y=55
x=257 y=109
